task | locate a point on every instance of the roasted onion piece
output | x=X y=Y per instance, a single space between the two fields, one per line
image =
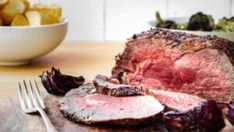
x=228 y=109
x=230 y=113
x=206 y=117
x=59 y=84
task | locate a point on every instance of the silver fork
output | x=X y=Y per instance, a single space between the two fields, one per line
x=31 y=102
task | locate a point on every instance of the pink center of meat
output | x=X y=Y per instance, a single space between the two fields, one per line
x=196 y=73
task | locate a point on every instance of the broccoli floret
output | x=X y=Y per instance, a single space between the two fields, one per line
x=164 y=24
x=202 y=22
x=182 y=26
x=225 y=24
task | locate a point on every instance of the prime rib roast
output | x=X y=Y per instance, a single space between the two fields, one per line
x=179 y=62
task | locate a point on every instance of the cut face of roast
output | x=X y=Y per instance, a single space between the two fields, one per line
x=89 y=108
x=177 y=101
x=179 y=62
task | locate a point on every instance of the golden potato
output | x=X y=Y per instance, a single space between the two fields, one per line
x=20 y=20
x=3 y=3
x=34 y=18
x=11 y=9
x=27 y=4
x=50 y=14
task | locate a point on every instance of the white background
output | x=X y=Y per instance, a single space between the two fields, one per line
x=110 y=20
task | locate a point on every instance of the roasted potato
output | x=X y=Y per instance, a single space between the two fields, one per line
x=3 y=3
x=21 y=13
x=34 y=18
x=11 y=9
x=20 y=20
x=27 y=4
x=50 y=14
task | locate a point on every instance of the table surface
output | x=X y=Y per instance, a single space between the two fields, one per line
x=87 y=59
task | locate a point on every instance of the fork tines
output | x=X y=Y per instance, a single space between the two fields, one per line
x=29 y=96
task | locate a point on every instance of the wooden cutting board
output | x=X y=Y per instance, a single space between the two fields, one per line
x=12 y=119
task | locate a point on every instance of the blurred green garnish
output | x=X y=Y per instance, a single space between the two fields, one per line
x=225 y=24
x=164 y=24
x=197 y=22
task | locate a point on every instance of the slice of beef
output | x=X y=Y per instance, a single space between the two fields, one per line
x=175 y=61
x=187 y=113
x=108 y=86
x=83 y=105
x=205 y=117
x=172 y=100
x=177 y=101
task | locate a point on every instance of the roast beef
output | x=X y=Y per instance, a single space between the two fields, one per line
x=84 y=105
x=180 y=62
x=177 y=101
x=108 y=86
x=186 y=113
x=172 y=100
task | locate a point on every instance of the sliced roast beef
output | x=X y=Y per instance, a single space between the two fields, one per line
x=84 y=105
x=177 y=101
x=108 y=86
x=187 y=113
x=175 y=61
x=172 y=100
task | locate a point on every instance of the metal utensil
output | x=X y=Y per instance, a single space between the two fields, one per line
x=31 y=101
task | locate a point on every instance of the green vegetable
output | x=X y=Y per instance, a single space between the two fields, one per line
x=164 y=24
x=198 y=22
x=158 y=18
x=202 y=22
x=182 y=26
x=225 y=24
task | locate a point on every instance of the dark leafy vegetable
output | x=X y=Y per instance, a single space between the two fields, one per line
x=59 y=84
x=206 y=117
x=202 y=22
x=164 y=24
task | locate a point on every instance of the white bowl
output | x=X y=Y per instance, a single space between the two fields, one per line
x=226 y=35
x=19 y=45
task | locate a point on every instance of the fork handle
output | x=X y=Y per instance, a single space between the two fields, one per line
x=49 y=126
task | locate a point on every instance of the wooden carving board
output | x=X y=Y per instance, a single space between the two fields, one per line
x=12 y=119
